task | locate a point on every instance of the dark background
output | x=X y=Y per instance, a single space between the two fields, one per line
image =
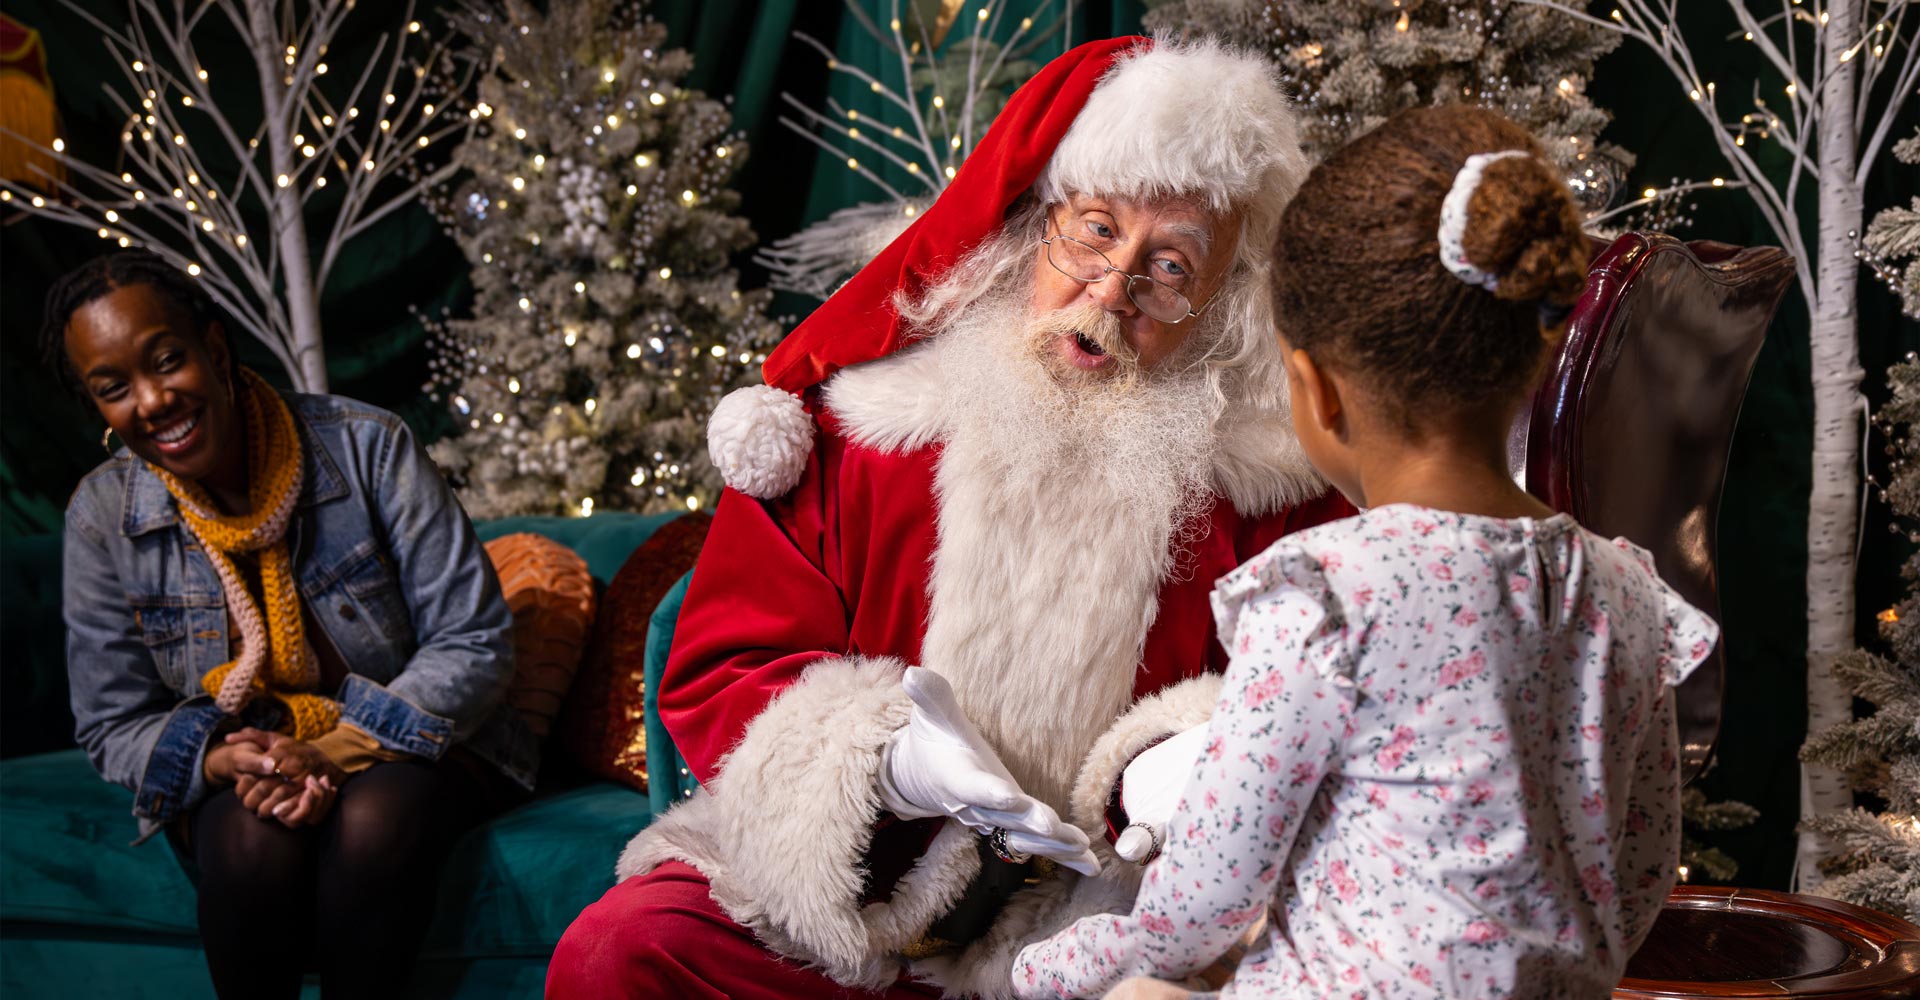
x=377 y=352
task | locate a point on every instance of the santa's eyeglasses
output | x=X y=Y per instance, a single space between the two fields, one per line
x=1087 y=265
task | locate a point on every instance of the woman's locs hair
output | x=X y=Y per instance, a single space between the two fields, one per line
x=108 y=273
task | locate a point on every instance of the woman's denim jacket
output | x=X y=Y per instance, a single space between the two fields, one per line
x=389 y=570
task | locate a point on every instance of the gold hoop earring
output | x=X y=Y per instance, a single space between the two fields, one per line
x=106 y=440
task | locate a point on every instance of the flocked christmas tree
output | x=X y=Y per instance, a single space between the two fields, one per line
x=1353 y=63
x=1875 y=855
x=1894 y=236
x=607 y=320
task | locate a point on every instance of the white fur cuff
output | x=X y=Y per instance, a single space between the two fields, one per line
x=759 y=438
x=782 y=832
x=1172 y=710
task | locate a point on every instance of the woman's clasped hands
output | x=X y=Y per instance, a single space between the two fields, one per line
x=277 y=777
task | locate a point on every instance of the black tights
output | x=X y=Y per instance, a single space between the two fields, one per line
x=351 y=896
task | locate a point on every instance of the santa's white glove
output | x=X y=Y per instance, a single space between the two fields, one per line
x=938 y=765
x=1150 y=787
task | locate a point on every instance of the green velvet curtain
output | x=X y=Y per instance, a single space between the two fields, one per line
x=744 y=50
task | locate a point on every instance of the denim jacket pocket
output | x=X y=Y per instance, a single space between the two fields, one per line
x=164 y=629
x=364 y=586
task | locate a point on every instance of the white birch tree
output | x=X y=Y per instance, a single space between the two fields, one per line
x=233 y=202
x=1835 y=59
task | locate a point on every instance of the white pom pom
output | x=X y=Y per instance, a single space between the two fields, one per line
x=759 y=438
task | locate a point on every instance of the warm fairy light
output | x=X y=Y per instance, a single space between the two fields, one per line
x=1683 y=872
x=519 y=133
x=665 y=273
x=1401 y=25
x=526 y=304
x=320 y=69
x=1889 y=616
x=240 y=239
x=721 y=152
x=366 y=165
x=1566 y=86
x=202 y=74
x=206 y=225
x=423 y=142
x=688 y=196
x=586 y=505
x=613 y=121
x=580 y=288
x=519 y=183
x=193 y=269
x=913 y=168
x=413 y=27
x=282 y=180
x=1719 y=182
x=319 y=182
x=633 y=351
x=719 y=351
x=499 y=417
x=571 y=338
x=939 y=102
x=632 y=190
x=125 y=243
x=643 y=160
x=657 y=98
x=1650 y=193
x=186 y=100
x=112 y=216
x=951 y=172
x=590 y=405
x=539 y=161
x=606 y=76
x=852 y=164
x=693 y=503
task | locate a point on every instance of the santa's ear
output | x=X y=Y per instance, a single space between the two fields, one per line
x=1317 y=392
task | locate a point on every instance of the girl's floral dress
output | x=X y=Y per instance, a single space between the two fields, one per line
x=1444 y=757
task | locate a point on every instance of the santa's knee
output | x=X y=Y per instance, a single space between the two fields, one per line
x=628 y=944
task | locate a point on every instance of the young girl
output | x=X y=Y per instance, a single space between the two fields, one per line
x=1444 y=753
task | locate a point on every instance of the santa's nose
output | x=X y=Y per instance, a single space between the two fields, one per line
x=1110 y=293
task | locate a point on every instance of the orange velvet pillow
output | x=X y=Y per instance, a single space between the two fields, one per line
x=603 y=725
x=550 y=593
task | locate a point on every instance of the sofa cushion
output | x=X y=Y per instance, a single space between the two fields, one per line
x=668 y=779
x=603 y=540
x=547 y=587
x=602 y=725
x=511 y=886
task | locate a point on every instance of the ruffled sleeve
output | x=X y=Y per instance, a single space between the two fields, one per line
x=1274 y=603
x=1688 y=635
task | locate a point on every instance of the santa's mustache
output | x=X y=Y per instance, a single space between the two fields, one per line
x=1099 y=329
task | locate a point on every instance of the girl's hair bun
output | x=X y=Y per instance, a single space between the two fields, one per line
x=1523 y=227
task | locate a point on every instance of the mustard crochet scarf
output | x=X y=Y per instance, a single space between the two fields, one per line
x=274 y=658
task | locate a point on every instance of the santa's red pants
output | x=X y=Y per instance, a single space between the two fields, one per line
x=662 y=935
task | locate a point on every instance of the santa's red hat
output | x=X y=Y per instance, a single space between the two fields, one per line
x=1125 y=117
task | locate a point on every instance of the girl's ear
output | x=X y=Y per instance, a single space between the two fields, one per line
x=1318 y=394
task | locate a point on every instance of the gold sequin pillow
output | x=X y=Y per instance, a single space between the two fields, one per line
x=550 y=593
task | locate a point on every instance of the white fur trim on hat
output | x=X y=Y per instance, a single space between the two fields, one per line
x=759 y=438
x=1192 y=118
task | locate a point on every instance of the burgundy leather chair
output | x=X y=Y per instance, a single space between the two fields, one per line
x=1630 y=434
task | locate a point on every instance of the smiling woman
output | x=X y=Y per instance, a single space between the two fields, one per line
x=309 y=712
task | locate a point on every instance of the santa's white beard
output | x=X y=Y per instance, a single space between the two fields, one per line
x=1062 y=502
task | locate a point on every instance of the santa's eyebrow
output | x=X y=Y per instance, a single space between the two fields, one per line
x=1201 y=236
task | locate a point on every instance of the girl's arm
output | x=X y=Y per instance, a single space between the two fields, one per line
x=1277 y=730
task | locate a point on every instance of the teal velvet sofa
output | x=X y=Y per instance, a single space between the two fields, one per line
x=85 y=913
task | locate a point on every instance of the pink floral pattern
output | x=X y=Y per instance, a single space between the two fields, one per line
x=1444 y=758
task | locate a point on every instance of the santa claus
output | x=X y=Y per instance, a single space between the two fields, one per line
x=959 y=579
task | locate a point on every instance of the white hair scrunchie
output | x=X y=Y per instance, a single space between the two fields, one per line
x=1453 y=219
